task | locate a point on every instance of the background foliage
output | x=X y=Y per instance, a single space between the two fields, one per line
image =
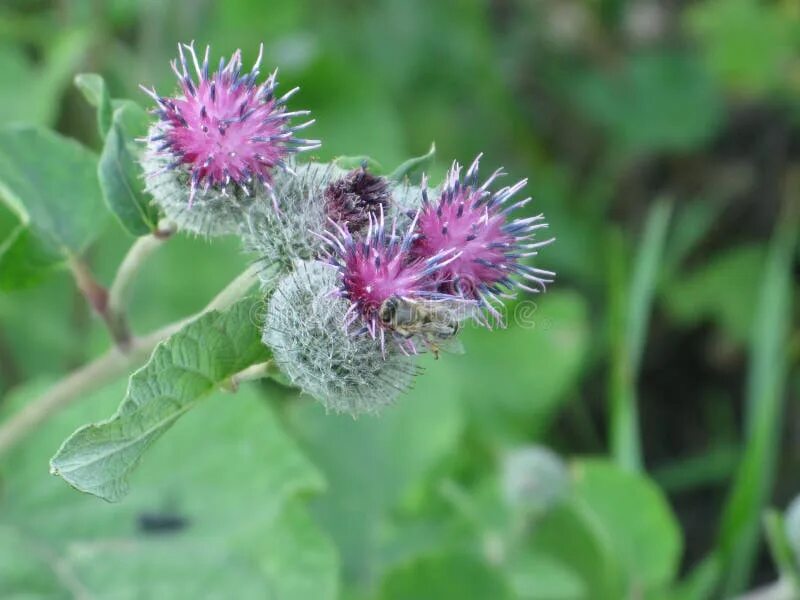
x=661 y=139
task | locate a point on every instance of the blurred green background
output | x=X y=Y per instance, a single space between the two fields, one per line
x=662 y=141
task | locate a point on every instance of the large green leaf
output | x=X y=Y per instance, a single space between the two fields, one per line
x=24 y=259
x=615 y=531
x=219 y=508
x=120 y=175
x=373 y=464
x=98 y=458
x=50 y=182
x=655 y=101
x=766 y=62
x=31 y=92
x=527 y=369
x=635 y=519
x=444 y=577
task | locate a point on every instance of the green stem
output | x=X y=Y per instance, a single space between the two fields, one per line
x=129 y=268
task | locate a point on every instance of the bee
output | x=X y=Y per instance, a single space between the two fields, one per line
x=436 y=322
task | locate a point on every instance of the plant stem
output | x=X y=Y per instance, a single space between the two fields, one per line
x=97 y=297
x=111 y=365
x=136 y=257
x=251 y=373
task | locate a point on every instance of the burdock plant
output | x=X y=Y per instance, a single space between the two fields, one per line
x=357 y=272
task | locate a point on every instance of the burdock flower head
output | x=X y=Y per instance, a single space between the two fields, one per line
x=353 y=199
x=491 y=245
x=218 y=141
x=306 y=330
x=378 y=276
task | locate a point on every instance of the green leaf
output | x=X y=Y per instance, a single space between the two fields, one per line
x=635 y=519
x=615 y=531
x=31 y=92
x=655 y=101
x=372 y=468
x=444 y=577
x=349 y=163
x=50 y=182
x=535 y=576
x=568 y=535
x=714 y=292
x=765 y=62
x=414 y=165
x=93 y=87
x=98 y=458
x=120 y=175
x=540 y=356
x=24 y=260
x=219 y=507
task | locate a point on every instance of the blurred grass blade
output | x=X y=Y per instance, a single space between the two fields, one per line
x=629 y=319
x=738 y=538
x=781 y=549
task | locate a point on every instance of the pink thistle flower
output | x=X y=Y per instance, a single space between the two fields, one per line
x=375 y=267
x=225 y=129
x=491 y=245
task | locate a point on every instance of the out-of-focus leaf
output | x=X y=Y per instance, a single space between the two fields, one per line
x=771 y=30
x=616 y=532
x=24 y=260
x=374 y=463
x=230 y=517
x=98 y=458
x=30 y=92
x=655 y=102
x=535 y=576
x=444 y=577
x=93 y=87
x=527 y=369
x=50 y=182
x=120 y=174
x=715 y=291
x=636 y=519
x=570 y=537
x=414 y=165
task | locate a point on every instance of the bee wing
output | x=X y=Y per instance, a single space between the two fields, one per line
x=454 y=310
x=451 y=345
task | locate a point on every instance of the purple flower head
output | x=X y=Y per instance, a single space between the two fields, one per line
x=351 y=200
x=224 y=128
x=490 y=244
x=376 y=267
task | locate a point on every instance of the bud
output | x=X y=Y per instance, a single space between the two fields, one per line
x=534 y=478
x=280 y=238
x=357 y=197
x=305 y=326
